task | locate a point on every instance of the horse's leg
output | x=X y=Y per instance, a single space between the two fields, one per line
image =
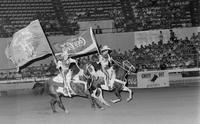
x=117 y=93
x=90 y=99
x=97 y=104
x=52 y=103
x=130 y=93
x=125 y=88
x=41 y=91
x=94 y=102
x=60 y=104
x=99 y=95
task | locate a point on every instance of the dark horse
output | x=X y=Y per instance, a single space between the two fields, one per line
x=119 y=78
x=81 y=86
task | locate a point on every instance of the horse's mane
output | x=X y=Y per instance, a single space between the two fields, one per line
x=115 y=66
x=74 y=68
x=96 y=65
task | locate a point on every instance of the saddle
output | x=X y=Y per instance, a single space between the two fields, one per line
x=58 y=78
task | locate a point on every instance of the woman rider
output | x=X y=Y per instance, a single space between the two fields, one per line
x=66 y=71
x=105 y=59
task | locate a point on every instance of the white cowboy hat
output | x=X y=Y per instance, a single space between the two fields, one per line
x=105 y=48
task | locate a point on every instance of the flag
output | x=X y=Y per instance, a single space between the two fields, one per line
x=80 y=44
x=27 y=44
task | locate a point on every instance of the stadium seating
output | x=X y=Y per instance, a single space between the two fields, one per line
x=61 y=16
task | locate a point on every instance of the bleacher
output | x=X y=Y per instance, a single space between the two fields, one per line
x=61 y=16
x=90 y=10
x=161 y=14
x=17 y=14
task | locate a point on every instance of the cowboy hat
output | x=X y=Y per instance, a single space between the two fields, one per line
x=105 y=48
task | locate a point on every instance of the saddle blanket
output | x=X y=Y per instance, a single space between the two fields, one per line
x=61 y=90
x=58 y=78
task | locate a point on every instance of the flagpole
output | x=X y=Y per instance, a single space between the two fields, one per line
x=96 y=42
x=54 y=57
x=52 y=52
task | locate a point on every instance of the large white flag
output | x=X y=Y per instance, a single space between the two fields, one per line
x=27 y=44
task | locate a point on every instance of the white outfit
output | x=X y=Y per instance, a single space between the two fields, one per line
x=104 y=63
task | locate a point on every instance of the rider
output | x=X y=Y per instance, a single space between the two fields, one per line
x=105 y=59
x=66 y=71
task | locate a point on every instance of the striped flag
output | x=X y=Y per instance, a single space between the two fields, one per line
x=28 y=44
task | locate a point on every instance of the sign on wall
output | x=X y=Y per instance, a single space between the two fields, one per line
x=152 y=79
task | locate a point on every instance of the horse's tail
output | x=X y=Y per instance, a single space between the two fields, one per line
x=40 y=88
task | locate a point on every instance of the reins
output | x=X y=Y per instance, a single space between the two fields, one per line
x=116 y=62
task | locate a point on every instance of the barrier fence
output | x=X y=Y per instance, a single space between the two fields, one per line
x=146 y=79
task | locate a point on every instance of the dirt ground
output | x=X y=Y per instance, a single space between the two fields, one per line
x=149 y=106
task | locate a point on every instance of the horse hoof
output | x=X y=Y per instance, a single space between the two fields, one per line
x=66 y=112
x=129 y=99
x=93 y=106
x=108 y=105
x=94 y=109
x=102 y=108
x=115 y=101
x=55 y=112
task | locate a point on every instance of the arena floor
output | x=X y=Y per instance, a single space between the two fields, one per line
x=149 y=106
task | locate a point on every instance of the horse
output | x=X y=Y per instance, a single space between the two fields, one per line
x=119 y=78
x=80 y=84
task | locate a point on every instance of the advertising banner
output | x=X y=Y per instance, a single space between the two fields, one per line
x=132 y=81
x=152 y=79
x=80 y=44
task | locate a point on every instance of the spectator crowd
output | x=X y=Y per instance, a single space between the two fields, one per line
x=176 y=53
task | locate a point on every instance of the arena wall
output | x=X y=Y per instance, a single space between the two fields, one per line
x=174 y=78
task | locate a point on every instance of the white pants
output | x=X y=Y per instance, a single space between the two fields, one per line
x=68 y=79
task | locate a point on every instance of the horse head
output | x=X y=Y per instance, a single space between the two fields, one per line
x=75 y=69
x=90 y=69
